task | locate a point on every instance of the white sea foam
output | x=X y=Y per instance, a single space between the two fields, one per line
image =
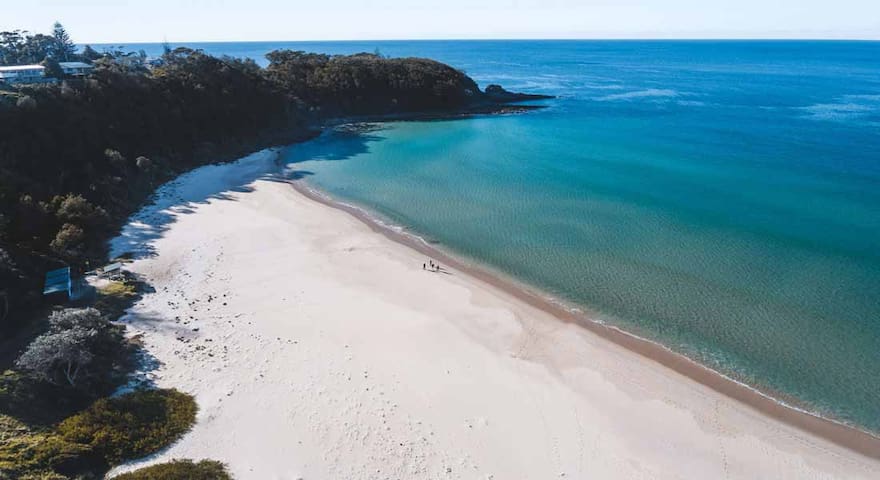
x=649 y=93
x=602 y=86
x=844 y=109
x=691 y=103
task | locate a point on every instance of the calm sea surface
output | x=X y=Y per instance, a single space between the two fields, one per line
x=720 y=197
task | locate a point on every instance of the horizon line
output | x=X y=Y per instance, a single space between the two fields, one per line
x=511 y=39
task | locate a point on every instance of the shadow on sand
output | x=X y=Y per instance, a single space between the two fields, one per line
x=223 y=182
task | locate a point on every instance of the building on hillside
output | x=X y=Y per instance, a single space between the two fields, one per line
x=58 y=284
x=76 y=69
x=23 y=74
x=112 y=271
x=61 y=287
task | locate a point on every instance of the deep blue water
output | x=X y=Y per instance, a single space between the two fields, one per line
x=720 y=197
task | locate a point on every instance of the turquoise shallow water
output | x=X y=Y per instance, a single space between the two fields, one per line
x=720 y=197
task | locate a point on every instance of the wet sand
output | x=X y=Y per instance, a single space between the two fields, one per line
x=841 y=434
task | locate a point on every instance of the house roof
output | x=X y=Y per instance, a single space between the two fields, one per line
x=57 y=281
x=19 y=68
x=113 y=267
x=74 y=65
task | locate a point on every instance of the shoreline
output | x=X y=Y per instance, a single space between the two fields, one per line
x=847 y=436
x=266 y=306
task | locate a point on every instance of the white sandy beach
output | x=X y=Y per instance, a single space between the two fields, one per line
x=317 y=348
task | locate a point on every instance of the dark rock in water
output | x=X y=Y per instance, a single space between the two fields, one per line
x=498 y=94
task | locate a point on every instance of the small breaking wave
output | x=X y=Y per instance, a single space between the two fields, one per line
x=848 y=108
x=638 y=94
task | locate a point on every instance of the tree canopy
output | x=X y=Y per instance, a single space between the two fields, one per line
x=79 y=156
x=64 y=50
x=81 y=349
x=111 y=138
x=19 y=47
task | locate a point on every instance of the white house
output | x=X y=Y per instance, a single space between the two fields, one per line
x=76 y=69
x=22 y=74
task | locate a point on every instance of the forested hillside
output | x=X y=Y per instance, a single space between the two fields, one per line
x=78 y=156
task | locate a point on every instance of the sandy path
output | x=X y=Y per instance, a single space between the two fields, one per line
x=318 y=349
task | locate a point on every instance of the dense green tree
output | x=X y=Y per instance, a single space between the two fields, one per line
x=37 y=48
x=76 y=209
x=11 y=46
x=69 y=242
x=9 y=276
x=80 y=349
x=58 y=357
x=53 y=69
x=20 y=47
x=370 y=84
x=89 y=54
x=96 y=135
x=64 y=48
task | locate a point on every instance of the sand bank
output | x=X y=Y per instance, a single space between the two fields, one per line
x=318 y=348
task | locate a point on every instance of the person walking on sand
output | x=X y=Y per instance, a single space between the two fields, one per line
x=423 y=267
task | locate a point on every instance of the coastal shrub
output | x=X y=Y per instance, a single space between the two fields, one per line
x=37 y=403
x=81 y=350
x=57 y=357
x=43 y=476
x=9 y=276
x=116 y=159
x=107 y=432
x=115 y=297
x=132 y=425
x=180 y=470
x=34 y=453
x=143 y=164
x=118 y=290
x=69 y=241
x=77 y=210
x=26 y=102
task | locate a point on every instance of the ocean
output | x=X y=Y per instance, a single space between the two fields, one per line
x=719 y=197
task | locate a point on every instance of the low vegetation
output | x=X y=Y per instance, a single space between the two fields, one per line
x=108 y=432
x=133 y=425
x=113 y=298
x=180 y=470
x=53 y=423
x=27 y=453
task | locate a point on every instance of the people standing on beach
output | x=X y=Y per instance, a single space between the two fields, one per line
x=434 y=267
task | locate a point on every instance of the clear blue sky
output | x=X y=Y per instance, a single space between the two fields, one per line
x=118 y=21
